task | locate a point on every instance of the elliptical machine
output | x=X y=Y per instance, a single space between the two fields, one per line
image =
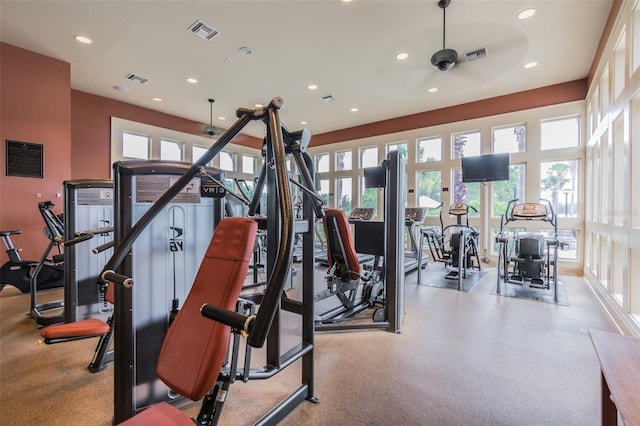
x=455 y=245
x=18 y=272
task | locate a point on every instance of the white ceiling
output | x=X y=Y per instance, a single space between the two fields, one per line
x=346 y=48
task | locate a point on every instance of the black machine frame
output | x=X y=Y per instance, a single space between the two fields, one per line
x=264 y=327
x=380 y=239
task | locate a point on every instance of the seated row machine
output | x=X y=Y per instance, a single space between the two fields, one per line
x=528 y=257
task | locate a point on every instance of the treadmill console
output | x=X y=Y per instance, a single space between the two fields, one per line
x=362 y=213
x=415 y=214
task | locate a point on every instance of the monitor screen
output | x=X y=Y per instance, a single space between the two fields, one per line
x=485 y=168
x=374 y=177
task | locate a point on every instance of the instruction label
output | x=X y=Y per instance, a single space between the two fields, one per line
x=149 y=188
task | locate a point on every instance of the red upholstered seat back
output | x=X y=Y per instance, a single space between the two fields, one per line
x=110 y=295
x=194 y=347
x=351 y=257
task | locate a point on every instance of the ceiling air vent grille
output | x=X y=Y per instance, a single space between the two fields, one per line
x=135 y=77
x=203 y=30
x=329 y=98
x=476 y=54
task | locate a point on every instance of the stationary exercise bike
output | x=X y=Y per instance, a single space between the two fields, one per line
x=18 y=272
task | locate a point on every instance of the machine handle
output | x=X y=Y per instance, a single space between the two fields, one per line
x=227 y=317
x=103 y=247
x=112 y=277
x=77 y=239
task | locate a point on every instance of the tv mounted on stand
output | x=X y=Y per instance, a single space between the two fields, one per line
x=375 y=177
x=485 y=168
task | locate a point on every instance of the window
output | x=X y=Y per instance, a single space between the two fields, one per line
x=468 y=193
x=369 y=196
x=636 y=38
x=324 y=191
x=465 y=145
x=510 y=139
x=560 y=133
x=344 y=195
x=343 y=160
x=227 y=161
x=568 y=243
x=135 y=146
x=322 y=163
x=197 y=152
x=171 y=150
x=247 y=187
x=619 y=66
x=369 y=157
x=228 y=183
x=248 y=165
x=559 y=185
x=401 y=147
x=429 y=191
x=505 y=191
x=428 y=149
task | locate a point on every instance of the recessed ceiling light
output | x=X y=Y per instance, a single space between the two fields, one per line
x=527 y=13
x=245 y=50
x=222 y=118
x=531 y=64
x=192 y=80
x=83 y=39
x=354 y=110
x=433 y=90
x=402 y=56
x=258 y=105
x=156 y=99
x=119 y=88
x=312 y=86
x=303 y=122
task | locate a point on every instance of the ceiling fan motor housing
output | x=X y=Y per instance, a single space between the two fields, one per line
x=444 y=59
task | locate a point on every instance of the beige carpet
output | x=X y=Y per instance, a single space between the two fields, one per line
x=461 y=359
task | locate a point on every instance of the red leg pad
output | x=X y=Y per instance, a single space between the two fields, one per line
x=84 y=328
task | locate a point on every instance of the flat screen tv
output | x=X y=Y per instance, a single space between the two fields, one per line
x=485 y=168
x=374 y=177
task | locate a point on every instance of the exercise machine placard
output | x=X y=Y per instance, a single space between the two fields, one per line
x=150 y=188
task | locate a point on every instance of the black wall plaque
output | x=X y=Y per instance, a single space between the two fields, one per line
x=24 y=159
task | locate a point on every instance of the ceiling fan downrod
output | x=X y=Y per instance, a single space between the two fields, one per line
x=445 y=58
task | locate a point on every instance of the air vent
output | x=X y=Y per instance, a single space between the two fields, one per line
x=476 y=54
x=203 y=30
x=329 y=98
x=135 y=77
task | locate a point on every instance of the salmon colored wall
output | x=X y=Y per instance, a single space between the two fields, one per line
x=91 y=131
x=35 y=106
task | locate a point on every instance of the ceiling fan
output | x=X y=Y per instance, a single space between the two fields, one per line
x=445 y=58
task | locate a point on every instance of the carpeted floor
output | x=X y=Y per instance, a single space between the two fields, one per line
x=462 y=358
x=436 y=275
x=525 y=291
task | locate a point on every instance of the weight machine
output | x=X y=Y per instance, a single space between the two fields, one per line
x=532 y=256
x=261 y=328
x=380 y=288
